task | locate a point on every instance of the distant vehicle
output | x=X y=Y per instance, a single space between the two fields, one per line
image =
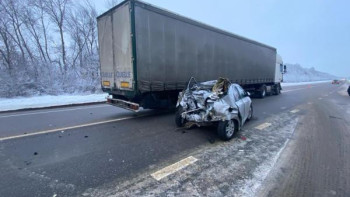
x=147 y=55
x=336 y=81
x=214 y=102
x=349 y=90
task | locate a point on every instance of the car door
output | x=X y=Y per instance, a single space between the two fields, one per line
x=247 y=101
x=240 y=103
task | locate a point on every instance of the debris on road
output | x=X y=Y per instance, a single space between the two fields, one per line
x=243 y=138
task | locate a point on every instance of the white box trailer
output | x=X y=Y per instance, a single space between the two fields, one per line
x=148 y=54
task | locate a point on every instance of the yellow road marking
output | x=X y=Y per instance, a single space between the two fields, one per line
x=52 y=111
x=295 y=111
x=263 y=126
x=173 y=168
x=68 y=128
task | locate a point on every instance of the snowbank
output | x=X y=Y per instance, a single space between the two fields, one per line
x=48 y=101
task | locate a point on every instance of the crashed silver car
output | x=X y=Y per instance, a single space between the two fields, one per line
x=214 y=102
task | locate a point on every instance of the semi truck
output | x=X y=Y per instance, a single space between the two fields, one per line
x=148 y=54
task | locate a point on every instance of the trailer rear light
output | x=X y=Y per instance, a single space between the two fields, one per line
x=106 y=83
x=124 y=84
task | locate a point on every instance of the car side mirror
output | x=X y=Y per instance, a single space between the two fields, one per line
x=285 y=69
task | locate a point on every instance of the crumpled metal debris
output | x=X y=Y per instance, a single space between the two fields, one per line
x=207 y=101
x=221 y=85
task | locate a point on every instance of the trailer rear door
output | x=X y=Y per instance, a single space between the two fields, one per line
x=122 y=45
x=106 y=51
x=116 y=48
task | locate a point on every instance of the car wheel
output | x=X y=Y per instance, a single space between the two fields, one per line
x=226 y=129
x=180 y=122
x=250 y=115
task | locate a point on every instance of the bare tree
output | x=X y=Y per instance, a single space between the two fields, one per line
x=13 y=10
x=31 y=22
x=39 y=4
x=57 y=10
x=7 y=48
x=33 y=61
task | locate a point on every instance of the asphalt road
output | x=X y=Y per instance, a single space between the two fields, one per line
x=316 y=162
x=67 y=151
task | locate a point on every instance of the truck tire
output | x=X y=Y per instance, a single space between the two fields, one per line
x=180 y=122
x=277 y=90
x=227 y=129
x=262 y=92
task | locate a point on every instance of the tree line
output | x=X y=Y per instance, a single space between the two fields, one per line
x=48 y=47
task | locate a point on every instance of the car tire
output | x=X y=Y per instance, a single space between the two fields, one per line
x=180 y=122
x=227 y=129
x=262 y=92
x=250 y=115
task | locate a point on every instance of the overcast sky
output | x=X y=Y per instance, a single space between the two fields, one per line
x=313 y=33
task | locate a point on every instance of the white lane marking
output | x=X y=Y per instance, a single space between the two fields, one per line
x=320 y=98
x=68 y=128
x=263 y=126
x=295 y=111
x=173 y=168
x=294 y=90
x=310 y=103
x=283 y=108
x=46 y=112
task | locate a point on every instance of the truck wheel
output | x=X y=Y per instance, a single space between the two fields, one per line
x=226 y=129
x=180 y=122
x=250 y=115
x=262 y=91
x=277 y=90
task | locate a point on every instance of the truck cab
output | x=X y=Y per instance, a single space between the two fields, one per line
x=280 y=69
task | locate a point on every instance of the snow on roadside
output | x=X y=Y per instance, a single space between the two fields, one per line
x=48 y=101
x=304 y=83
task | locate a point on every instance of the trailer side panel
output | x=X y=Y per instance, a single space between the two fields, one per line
x=170 y=49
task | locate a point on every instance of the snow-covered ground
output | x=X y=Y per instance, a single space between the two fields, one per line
x=297 y=73
x=305 y=83
x=48 y=101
